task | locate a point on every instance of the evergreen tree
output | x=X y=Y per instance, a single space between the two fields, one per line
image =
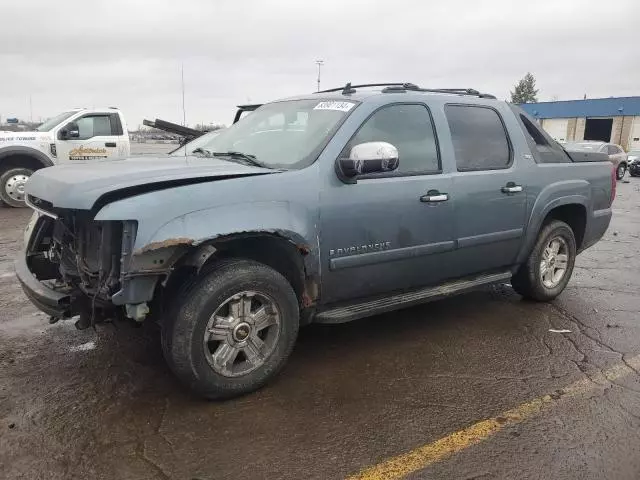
x=525 y=90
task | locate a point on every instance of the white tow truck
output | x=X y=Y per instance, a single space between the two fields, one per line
x=76 y=135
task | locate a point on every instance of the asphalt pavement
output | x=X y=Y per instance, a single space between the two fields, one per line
x=479 y=386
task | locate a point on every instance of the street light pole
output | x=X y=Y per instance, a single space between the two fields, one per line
x=319 y=63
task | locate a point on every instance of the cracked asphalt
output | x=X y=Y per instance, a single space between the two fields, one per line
x=103 y=405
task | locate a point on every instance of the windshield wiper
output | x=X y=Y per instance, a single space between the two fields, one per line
x=203 y=151
x=245 y=157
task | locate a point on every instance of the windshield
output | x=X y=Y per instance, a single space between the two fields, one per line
x=52 y=122
x=194 y=144
x=279 y=135
x=584 y=146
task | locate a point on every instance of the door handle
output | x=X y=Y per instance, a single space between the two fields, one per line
x=110 y=144
x=511 y=187
x=434 y=196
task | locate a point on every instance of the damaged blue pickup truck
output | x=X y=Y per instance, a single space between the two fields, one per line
x=327 y=207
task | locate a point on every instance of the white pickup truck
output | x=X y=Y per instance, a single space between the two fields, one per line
x=80 y=134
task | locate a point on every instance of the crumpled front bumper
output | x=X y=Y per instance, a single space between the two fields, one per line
x=52 y=302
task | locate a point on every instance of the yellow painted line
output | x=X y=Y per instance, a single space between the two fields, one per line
x=407 y=463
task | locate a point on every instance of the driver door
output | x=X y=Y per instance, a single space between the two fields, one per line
x=100 y=136
x=389 y=231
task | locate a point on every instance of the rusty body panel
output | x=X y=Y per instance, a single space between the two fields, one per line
x=170 y=242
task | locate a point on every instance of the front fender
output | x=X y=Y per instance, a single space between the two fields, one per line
x=285 y=204
x=11 y=150
x=569 y=192
x=292 y=222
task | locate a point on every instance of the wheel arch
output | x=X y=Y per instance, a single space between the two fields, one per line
x=275 y=250
x=23 y=157
x=571 y=209
x=574 y=215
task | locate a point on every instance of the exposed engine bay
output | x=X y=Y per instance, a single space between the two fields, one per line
x=79 y=256
x=88 y=254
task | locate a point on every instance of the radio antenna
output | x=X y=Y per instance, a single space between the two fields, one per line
x=184 y=112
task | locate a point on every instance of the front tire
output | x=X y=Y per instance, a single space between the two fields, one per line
x=620 y=171
x=548 y=269
x=233 y=330
x=12 y=183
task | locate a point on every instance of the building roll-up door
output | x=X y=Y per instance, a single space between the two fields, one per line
x=634 y=136
x=556 y=128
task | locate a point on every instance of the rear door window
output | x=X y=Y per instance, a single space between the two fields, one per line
x=479 y=138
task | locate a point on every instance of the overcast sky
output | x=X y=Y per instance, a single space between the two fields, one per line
x=128 y=53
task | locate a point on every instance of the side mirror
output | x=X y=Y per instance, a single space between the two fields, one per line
x=70 y=130
x=369 y=157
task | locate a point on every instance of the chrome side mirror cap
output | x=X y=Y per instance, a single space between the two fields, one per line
x=369 y=157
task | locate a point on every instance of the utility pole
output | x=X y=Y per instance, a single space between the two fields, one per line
x=30 y=109
x=184 y=112
x=319 y=63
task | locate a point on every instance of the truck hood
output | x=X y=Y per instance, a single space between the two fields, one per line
x=81 y=184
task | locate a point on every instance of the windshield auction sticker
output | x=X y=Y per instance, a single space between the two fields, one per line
x=340 y=106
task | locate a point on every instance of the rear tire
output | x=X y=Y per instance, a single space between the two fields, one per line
x=12 y=182
x=541 y=277
x=233 y=330
x=620 y=171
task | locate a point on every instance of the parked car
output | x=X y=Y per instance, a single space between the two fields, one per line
x=323 y=208
x=77 y=135
x=633 y=157
x=616 y=154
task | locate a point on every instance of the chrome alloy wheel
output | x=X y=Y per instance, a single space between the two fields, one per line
x=242 y=333
x=14 y=186
x=553 y=265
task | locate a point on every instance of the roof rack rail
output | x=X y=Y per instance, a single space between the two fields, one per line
x=348 y=89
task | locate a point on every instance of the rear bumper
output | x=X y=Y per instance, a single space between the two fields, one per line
x=597 y=226
x=46 y=299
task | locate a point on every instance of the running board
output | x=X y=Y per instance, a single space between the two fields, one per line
x=402 y=300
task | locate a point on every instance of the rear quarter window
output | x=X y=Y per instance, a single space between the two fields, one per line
x=543 y=148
